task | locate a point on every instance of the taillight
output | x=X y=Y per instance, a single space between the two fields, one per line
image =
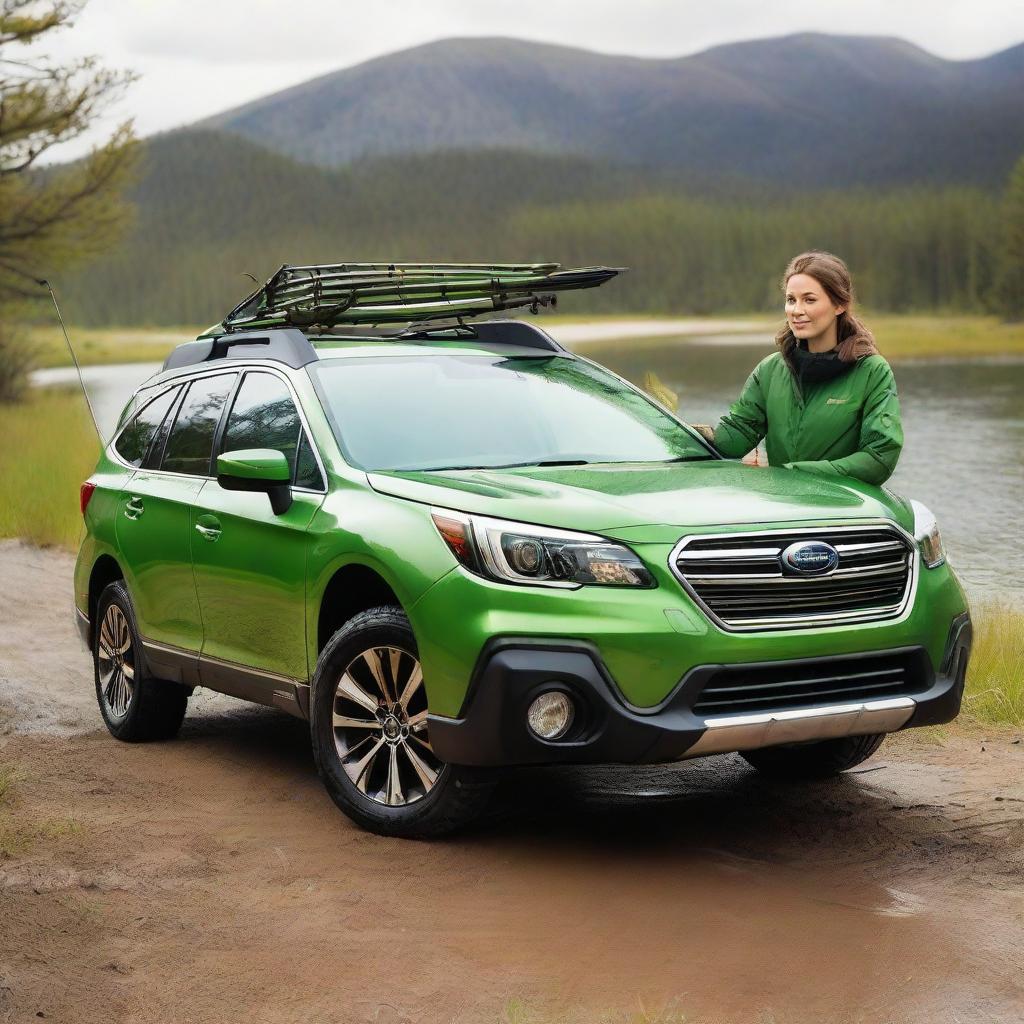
x=84 y=494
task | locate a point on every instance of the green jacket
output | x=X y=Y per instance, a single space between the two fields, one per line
x=849 y=426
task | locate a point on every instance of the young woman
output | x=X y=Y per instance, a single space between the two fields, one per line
x=825 y=402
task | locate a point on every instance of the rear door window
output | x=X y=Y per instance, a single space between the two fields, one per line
x=190 y=444
x=135 y=440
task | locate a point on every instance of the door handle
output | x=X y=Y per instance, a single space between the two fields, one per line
x=134 y=508
x=208 y=527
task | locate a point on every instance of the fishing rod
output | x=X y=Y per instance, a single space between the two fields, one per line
x=334 y=294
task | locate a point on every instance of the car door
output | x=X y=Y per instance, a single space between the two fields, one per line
x=154 y=524
x=250 y=563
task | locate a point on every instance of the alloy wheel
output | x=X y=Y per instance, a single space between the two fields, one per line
x=116 y=662
x=380 y=727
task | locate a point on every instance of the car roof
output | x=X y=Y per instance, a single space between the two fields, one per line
x=357 y=348
x=290 y=348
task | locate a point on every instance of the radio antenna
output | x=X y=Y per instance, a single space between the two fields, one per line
x=81 y=380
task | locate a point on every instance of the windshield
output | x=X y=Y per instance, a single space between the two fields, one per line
x=485 y=411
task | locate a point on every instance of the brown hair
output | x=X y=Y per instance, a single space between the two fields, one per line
x=855 y=341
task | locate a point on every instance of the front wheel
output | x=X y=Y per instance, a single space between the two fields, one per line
x=368 y=718
x=819 y=760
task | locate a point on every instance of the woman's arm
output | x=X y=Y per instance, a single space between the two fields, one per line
x=746 y=422
x=881 y=435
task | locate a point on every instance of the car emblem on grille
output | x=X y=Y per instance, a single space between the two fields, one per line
x=810 y=558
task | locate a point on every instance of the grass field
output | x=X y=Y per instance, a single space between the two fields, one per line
x=99 y=345
x=899 y=337
x=49 y=449
x=922 y=337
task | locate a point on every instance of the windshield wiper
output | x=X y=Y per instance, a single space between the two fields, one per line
x=560 y=462
x=502 y=465
x=545 y=463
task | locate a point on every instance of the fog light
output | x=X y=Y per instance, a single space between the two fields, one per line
x=550 y=715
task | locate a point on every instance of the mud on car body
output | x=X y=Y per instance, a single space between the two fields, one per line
x=456 y=547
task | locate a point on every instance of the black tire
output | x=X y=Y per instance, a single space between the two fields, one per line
x=819 y=760
x=368 y=768
x=135 y=707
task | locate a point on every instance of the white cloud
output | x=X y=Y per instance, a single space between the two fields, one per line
x=198 y=57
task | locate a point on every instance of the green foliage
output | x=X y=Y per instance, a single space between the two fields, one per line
x=53 y=219
x=213 y=209
x=1008 y=293
x=16 y=359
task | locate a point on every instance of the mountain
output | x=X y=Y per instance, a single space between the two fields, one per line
x=804 y=110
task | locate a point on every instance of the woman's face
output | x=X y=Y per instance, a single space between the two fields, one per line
x=809 y=310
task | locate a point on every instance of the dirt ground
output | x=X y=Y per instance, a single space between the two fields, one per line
x=210 y=879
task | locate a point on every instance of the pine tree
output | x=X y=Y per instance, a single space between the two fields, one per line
x=1008 y=293
x=51 y=219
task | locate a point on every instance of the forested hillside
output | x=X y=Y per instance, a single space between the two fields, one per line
x=818 y=110
x=213 y=208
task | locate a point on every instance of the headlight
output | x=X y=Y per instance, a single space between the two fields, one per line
x=926 y=533
x=536 y=555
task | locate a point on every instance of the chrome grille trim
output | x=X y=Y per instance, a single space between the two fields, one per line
x=879 y=583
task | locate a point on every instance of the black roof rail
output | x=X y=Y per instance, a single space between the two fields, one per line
x=286 y=345
x=489 y=332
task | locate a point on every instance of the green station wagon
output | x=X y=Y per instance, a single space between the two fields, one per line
x=452 y=545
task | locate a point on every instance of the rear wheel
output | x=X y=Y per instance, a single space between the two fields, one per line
x=134 y=706
x=814 y=760
x=368 y=718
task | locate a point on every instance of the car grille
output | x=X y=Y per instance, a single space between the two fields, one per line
x=740 y=581
x=759 y=688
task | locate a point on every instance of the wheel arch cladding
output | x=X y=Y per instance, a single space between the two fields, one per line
x=352 y=589
x=105 y=571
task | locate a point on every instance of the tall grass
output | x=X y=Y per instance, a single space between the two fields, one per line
x=955 y=336
x=900 y=336
x=47 y=448
x=100 y=345
x=995 y=677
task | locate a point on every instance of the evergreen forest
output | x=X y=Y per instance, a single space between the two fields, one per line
x=214 y=212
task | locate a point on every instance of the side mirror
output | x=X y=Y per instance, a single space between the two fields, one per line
x=257 y=469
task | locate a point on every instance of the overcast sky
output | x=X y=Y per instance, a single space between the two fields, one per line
x=198 y=57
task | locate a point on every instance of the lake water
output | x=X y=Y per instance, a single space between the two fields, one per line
x=963 y=452
x=963 y=424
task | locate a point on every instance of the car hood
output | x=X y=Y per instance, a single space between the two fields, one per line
x=632 y=500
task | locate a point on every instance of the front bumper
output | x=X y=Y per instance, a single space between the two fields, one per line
x=512 y=672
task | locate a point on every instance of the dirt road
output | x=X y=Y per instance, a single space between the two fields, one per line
x=210 y=879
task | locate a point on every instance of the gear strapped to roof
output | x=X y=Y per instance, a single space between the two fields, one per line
x=329 y=295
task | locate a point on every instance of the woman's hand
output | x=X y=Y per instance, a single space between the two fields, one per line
x=705 y=430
